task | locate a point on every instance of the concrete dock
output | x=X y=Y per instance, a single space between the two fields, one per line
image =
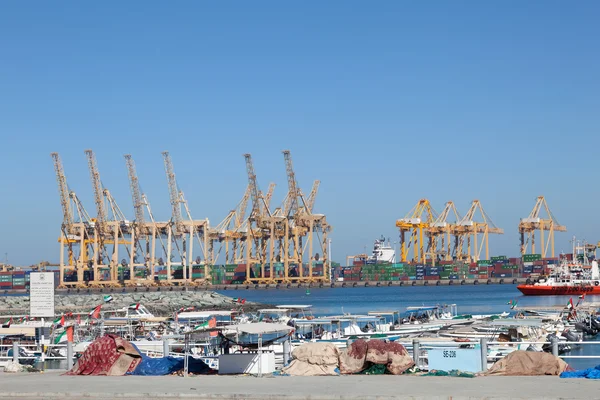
x=51 y=385
x=274 y=286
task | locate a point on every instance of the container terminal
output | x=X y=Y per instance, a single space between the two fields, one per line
x=258 y=245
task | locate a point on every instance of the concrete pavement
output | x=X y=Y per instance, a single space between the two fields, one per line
x=51 y=385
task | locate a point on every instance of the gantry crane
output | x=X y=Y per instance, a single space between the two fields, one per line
x=475 y=233
x=262 y=228
x=301 y=222
x=111 y=227
x=440 y=232
x=417 y=223
x=230 y=233
x=76 y=229
x=528 y=226
x=144 y=234
x=182 y=231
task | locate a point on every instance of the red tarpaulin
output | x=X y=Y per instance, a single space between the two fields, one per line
x=108 y=355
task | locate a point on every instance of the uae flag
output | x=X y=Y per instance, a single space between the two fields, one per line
x=201 y=326
x=239 y=300
x=108 y=298
x=7 y=323
x=68 y=332
x=211 y=323
x=134 y=306
x=60 y=320
x=95 y=313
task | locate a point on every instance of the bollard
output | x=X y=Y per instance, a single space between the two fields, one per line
x=69 y=356
x=554 y=341
x=416 y=352
x=166 y=349
x=484 y=353
x=16 y=352
x=287 y=345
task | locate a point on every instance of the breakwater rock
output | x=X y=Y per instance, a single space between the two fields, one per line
x=159 y=303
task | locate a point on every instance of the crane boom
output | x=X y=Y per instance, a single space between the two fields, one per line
x=136 y=195
x=292 y=186
x=241 y=211
x=312 y=196
x=97 y=185
x=256 y=212
x=63 y=190
x=173 y=192
x=269 y=195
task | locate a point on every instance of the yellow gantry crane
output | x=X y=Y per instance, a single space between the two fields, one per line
x=417 y=223
x=440 y=232
x=528 y=226
x=474 y=233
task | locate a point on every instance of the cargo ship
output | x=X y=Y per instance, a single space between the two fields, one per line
x=567 y=278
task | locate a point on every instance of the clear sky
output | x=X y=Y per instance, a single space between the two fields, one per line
x=385 y=102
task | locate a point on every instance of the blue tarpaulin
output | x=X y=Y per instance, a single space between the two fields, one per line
x=168 y=365
x=590 y=373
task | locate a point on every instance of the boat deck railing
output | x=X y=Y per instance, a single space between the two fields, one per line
x=418 y=349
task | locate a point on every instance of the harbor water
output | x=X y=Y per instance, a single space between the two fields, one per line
x=470 y=299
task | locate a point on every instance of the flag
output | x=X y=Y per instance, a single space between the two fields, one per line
x=95 y=313
x=60 y=320
x=570 y=303
x=239 y=300
x=134 y=306
x=70 y=330
x=212 y=323
x=512 y=304
x=60 y=337
x=203 y=325
x=69 y=314
x=78 y=319
x=7 y=323
x=108 y=298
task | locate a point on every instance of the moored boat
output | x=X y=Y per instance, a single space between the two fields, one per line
x=566 y=279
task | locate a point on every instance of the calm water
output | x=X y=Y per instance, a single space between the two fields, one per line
x=471 y=299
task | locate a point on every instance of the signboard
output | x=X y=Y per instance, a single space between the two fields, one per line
x=446 y=359
x=41 y=294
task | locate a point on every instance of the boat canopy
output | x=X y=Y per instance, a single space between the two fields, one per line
x=295 y=306
x=375 y=313
x=259 y=328
x=515 y=322
x=204 y=314
x=273 y=310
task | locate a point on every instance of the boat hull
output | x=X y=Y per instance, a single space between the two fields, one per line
x=537 y=290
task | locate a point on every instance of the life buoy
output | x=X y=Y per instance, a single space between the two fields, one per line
x=596 y=283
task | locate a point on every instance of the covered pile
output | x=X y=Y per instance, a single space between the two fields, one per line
x=527 y=363
x=114 y=356
x=362 y=355
x=313 y=359
x=109 y=355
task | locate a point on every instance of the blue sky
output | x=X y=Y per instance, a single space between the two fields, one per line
x=385 y=103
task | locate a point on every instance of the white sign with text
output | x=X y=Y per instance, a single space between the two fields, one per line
x=41 y=294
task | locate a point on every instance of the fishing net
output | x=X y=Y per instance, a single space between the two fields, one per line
x=452 y=372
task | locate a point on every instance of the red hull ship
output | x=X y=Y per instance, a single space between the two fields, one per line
x=547 y=290
x=566 y=279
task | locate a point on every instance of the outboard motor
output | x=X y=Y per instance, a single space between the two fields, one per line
x=584 y=328
x=548 y=346
x=570 y=336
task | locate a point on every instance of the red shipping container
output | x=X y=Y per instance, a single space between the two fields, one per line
x=432 y=277
x=482 y=276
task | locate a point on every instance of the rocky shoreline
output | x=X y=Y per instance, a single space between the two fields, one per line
x=159 y=303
